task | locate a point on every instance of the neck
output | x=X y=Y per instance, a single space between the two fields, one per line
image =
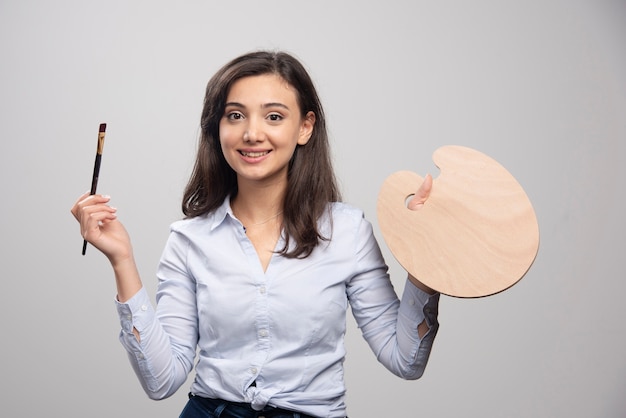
x=256 y=206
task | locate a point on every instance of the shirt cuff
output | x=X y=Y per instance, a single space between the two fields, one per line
x=137 y=312
x=419 y=305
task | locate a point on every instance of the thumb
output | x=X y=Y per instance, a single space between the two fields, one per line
x=422 y=194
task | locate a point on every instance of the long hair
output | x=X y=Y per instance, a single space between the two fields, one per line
x=311 y=182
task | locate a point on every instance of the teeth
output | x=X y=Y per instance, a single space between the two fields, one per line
x=254 y=154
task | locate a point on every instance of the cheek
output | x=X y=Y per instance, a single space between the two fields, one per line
x=227 y=142
x=228 y=136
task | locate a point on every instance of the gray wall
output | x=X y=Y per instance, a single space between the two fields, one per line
x=538 y=85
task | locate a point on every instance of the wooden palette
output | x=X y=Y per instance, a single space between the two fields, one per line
x=476 y=235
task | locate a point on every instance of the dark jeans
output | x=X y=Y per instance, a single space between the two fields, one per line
x=199 y=407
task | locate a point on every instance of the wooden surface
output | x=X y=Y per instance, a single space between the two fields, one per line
x=476 y=235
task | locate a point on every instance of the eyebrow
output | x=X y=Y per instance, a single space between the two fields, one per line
x=264 y=106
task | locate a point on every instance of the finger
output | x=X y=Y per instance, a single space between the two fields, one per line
x=85 y=200
x=75 y=206
x=422 y=194
x=90 y=212
x=85 y=214
x=93 y=221
x=94 y=199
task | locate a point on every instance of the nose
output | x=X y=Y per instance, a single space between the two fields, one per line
x=254 y=132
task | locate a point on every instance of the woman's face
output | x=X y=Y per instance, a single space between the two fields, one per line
x=261 y=128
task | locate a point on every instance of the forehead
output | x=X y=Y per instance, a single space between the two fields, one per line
x=265 y=88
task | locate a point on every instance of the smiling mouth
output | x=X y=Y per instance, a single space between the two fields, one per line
x=254 y=154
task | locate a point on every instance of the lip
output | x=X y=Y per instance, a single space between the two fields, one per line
x=254 y=155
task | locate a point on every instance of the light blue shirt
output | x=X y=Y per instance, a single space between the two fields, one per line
x=273 y=337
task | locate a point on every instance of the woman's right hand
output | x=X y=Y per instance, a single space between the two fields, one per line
x=101 y=228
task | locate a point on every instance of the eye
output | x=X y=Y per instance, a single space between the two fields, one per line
x=234 y=116
x=275 y=117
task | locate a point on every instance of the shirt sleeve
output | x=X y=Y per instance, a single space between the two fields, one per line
x=390 y=325
x=163 y=356
x=417 y=306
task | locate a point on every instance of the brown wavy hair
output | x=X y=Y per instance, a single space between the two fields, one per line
x=311 y=182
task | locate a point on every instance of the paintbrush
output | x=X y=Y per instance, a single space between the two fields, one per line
x=96 y=167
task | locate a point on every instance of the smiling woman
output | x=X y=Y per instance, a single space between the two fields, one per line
x=257 y=279
x=311 y=176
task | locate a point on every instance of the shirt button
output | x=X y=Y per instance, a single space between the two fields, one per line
x=144 y=308
x=262 y=290
x=263 y=333
x=412 y=302
x=253 y=370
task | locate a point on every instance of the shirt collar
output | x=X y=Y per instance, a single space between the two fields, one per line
x=221 y=213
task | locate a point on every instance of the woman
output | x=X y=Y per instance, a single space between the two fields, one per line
x=257 y=278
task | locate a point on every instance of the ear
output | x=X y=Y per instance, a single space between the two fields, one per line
x=306 y=129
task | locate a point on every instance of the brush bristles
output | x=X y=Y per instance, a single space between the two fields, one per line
x=103 y=127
